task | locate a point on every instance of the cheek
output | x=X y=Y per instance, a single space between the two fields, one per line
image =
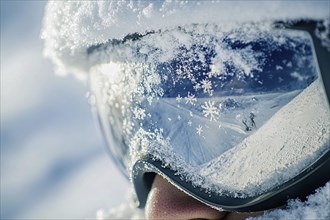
x=158 y=204
x=167 y=202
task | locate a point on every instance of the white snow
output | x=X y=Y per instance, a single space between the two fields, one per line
x=316 y=207
x=71 y=27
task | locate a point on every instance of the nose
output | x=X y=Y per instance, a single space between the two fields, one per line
x=165 y=201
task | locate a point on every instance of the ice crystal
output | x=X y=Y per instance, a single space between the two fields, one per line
x=180 y=73
x=207 y=86
x=197 y=87
x=210 y=110
x=139 y=113
x=191 y=98
x=178 y=98
x=199 y=130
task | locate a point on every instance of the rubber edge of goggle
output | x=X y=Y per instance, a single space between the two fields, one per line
x=304 y=184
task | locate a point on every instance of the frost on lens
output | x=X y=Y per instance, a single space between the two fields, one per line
x=190 y=99
x=210 y=110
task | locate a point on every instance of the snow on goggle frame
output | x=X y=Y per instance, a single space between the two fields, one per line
x=236 y=117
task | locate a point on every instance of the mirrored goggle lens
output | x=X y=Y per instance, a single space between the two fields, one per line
x=232 y=111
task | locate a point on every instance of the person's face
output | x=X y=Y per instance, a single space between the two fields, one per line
x=165 y=201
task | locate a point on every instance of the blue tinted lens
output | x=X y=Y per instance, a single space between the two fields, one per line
x=239 y=110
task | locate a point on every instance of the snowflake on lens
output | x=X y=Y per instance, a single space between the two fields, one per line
x=180 y=73
x=183 y=71
x=191 y=77
x=178 y=98
x=197 y=87
x=139 y=113
x=207 y=86
x=209 y=110
x=199 y=130
x=190 y=99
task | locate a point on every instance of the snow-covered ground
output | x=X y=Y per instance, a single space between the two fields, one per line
x=53 y=162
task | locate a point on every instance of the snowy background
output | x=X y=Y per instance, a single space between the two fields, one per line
x=53 y=162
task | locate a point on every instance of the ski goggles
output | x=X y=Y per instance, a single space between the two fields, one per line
x=236 y=116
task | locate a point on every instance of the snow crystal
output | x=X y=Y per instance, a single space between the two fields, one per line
x=178 y=98
x=191 y=99
x=199 y=130
x=207 y=86
x=209 y=110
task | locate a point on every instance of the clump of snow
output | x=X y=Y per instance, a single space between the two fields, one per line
x=315 y=207
x=70 y=28
x=127 y=210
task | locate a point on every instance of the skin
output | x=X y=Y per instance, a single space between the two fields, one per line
x=165 y=201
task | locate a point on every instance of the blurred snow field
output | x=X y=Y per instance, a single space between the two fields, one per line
x=53 y=165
